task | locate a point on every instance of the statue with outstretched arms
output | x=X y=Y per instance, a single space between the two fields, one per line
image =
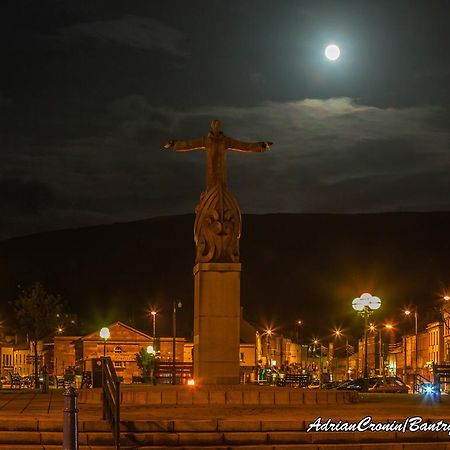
x=217 y=226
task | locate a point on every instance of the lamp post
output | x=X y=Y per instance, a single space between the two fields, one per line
x=317 y=342
x=387 y=326
x=153 y=313
x=446 y=319
x=105 y=335
x=176 y=305
x=151 y=353
x=299 y=323
x=268 y=350
x=338 y=334
x=365 y=305
x=408 y=313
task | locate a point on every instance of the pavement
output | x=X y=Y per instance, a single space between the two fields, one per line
x=28 y=404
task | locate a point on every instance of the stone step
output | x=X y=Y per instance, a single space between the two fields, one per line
x=227 y=396
x=202 y=439
x=356 y=446
x=166 y=426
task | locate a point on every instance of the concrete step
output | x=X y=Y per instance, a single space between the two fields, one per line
x=367 y=446
x=167 y=426
x=204 y=439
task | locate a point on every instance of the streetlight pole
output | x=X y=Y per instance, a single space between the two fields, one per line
x=153 y=313
x=407 y=313
x=176 y=305
x=317 y=342
x=299 y=347
x=446 y=319
x=338 y=334
x=347 y=366
x=105 y=335
x=365 y=305
x=387 y=326
x=299 y=324
x=269 y=350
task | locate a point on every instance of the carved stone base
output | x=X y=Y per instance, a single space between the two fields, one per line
x=217 y=323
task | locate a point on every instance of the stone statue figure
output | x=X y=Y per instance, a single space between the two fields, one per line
x=217 y=227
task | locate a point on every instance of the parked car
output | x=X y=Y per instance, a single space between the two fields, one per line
x=357 y=384
x=331 y=384
x=392 y=385
x=315 y=384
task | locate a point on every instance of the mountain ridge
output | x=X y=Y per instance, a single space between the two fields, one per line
x=307 y=266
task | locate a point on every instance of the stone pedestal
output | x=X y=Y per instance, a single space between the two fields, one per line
x=216 y=323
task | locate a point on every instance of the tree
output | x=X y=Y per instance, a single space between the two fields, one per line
x=146 y=362
x=36 y=312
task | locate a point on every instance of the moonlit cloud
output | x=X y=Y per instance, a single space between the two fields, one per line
x=91 y=90
x=329 y=155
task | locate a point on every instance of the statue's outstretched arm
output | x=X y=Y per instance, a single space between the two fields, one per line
x=239 y=146
x=186 y=146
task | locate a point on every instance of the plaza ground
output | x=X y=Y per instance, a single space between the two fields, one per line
x=33 y=421
x=27 y=404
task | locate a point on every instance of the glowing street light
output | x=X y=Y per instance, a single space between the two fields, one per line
x=105 y=335
x=268 y=332
x=153 y=313
x=317 y=342
x=408 y=313
x=365 y=305
x=338 y=334
x=299 y=323
x=390 y=327
x=176 y=305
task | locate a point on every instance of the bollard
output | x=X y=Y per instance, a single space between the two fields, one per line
x=44 y=385
x=70 y=427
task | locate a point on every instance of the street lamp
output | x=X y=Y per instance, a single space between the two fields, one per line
x=105 y=335
x=382 y=368
x=365 y=305
x=446 y=319
x=176 y=305
x=407 y=313
x=299 y=323
x=268 y=334
x=153 y=313
x=338 y=334
x=317 y=342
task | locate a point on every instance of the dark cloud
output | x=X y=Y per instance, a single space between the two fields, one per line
x=333 y=155
x=143 y=33
x=91 y=90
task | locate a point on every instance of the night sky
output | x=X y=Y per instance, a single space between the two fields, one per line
x=90 y=90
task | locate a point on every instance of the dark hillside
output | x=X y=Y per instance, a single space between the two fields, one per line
x=294 y=265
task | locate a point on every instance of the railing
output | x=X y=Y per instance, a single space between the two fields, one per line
x=164 y=372
x=420 y=382
x=111 y=399
x=441 y=375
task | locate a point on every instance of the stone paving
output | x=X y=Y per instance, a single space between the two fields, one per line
x=33 y=421
x=29 y=404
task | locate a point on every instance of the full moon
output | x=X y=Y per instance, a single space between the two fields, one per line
x=332 y=52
